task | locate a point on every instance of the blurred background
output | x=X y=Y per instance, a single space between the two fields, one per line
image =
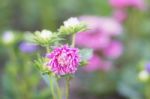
x=119 y=35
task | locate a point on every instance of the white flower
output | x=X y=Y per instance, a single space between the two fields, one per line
x=45 y=34
x=45 y=37
x=71 y=22
x=8 y=37
x=143 y=76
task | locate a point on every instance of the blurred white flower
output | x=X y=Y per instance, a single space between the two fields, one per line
x=45 y=37
x=8 y=37
x=72 y=26
x=143 y=76
x=45 y=34
x=73 y=21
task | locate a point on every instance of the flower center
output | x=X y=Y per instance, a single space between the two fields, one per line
x=63 y=60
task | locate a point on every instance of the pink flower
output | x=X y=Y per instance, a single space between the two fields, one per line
x=140 y=4
x=100 y=30
x=92 y=39
x=120 y=15
x=111 y=27
x=99 y=37
x=121 y=4
x=114 y=50
x=63 y=60
x=94 y=63
x=105 y=25
x=93 y=22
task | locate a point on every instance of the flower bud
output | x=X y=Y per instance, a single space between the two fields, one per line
x=71 y=22
x=71 y=26
x=45 y=37
x=45 y=34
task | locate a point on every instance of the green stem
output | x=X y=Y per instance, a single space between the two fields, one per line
x=58 y=90
x=67 y=87
x=73 y=40
x=47 y=49
x=52 y=88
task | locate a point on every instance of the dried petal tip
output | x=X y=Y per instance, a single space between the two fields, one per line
x=63 y=60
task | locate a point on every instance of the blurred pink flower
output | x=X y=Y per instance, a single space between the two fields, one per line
x=105 y=25
x=93 y=22
x=100 y=30
x=92 y=39
x=120 y=15
x=94 y=63
x=114 y=50
x=140 y=4
x=121 y=4
x=63 y=60
x=111 y=27
x=99 y=37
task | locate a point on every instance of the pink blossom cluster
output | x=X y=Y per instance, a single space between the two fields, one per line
x=63 y=60
x=121 y=6
x=140 y=4
x=101 y=38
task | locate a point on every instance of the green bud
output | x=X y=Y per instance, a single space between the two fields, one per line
x=72 y=26
x=40 y=64
x=45 y=38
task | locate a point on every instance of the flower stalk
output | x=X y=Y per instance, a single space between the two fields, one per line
x=67 y=87
x=52 y=88
x=73 y=40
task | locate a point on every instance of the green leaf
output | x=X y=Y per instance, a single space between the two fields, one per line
x=40 y=65
x=83 y=63
x=86 y=54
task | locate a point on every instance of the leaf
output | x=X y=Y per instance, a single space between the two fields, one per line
x=40 y=65
x=86 y=54
x=83 y=63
